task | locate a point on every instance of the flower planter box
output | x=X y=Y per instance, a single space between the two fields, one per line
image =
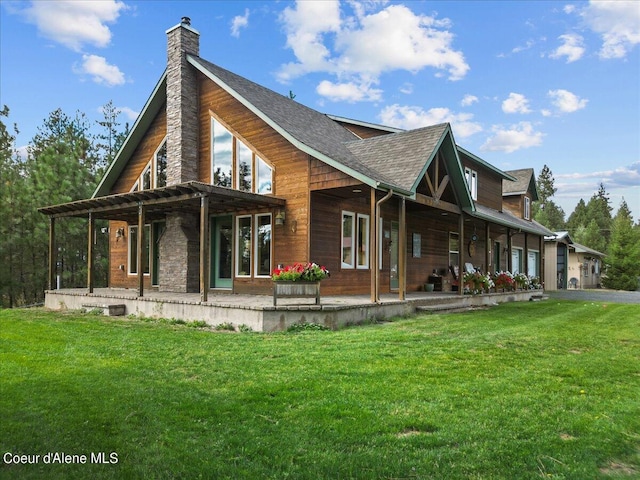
x=296 y=290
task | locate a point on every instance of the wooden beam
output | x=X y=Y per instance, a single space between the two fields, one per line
x=429 y=184
x=487 y=248
x=204 y=249
x=525 y=260
x=461 y=254
x=52 y=253
x=90 y=253
x=443 y=185
x=509 y=266
x=402 y=251
x=140 y=250
x=435 y=203
x=373 y=249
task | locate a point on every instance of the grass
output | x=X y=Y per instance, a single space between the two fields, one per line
x=537 y=390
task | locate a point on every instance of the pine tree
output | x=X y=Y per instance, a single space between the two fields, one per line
x=545 y=211
x=624 y=252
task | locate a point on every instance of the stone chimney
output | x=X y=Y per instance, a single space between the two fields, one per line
x=179 y=245
x=182 y=104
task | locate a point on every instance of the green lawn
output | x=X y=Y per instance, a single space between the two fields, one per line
x=529 y=390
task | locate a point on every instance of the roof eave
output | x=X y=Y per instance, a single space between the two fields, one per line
x=285 y=134
x=138 y=130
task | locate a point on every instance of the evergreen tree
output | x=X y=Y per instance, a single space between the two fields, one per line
x=578 y=218
x=545 y=211
x=590 y=236
x=110 y=139
x=12 y=201
x=624 y=252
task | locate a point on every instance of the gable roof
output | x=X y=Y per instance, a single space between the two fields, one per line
x=524 y=182
x=507 y=219
x=307 y=129
x=411 y=152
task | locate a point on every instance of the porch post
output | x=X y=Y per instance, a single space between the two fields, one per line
x=526 y=254
x=487 y=248
x=90 y=253
x=373 y=250
x=402 y=251
x=52 y=253
x=204 y=248
x=461 y=254
x=140 y=249
x=541 y=259
x=509 y=259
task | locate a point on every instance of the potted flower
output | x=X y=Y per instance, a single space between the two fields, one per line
x=504 y=280
x=298 y=280
x=521 y=280
x=476 y=282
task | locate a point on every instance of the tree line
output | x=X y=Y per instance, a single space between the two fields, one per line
x=592 y=225
x=65 y=161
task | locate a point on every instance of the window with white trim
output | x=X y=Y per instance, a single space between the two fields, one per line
x=355 y=240
x=133 y=249
x=235 y=165
x=527 y=208
x=154 y=174
x=263 y=245
x=243 y=246
x=516 y=260
x=472 y=182
x=454 y=249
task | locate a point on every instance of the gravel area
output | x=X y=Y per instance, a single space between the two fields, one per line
x=596 y=295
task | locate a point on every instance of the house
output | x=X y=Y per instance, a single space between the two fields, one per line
x=571 y=265
x=221 y=180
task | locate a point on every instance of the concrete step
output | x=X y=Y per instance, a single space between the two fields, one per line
x=110 y=310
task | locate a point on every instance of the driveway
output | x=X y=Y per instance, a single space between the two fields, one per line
x=596 y=295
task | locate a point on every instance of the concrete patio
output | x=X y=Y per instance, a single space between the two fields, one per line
x=258 y=311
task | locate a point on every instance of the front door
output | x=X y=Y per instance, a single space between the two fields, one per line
x=393 y=257
x=221 y=251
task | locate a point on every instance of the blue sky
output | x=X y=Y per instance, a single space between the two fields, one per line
x=523 y=84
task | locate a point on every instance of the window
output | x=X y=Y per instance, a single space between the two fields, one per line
x=472 y=182
x=363 y=241
x=355 y=240
x=221 y=155
x=454 y=248
x=235 y=165
x=263 y=245
x=154 y=174
x=161 y=166
x=516 y=260
x=243 y=263
x=133 y=250
x=527 y=208
x=532 y=263
x=245 y=162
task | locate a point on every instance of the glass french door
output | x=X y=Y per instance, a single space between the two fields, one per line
x=221 y=251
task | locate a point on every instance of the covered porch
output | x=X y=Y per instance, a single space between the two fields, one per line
x=259 y=313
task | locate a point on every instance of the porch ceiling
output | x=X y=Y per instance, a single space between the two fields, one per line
x=158 y=202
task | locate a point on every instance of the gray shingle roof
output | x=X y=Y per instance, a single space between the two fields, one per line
x=524 y=177
x=510 y=220
x=310 y=128
x=399 y=157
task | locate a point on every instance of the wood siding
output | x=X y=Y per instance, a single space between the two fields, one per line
x=323 y=176
x=142 y=154
x=363 y=131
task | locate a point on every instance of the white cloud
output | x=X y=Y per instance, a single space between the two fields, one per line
x=515 y=137
x=359 y=48
x=572 y=48
x=618 y=24
x=238 y=22
x=349 y=92
x=468 y=100
x=129 y=113
x=627 y=176
x=101 y=72
x=516 y=103
x=522 y=48
x=566 y=102
x=411 y=117
x=75 y=23
x=406 y=88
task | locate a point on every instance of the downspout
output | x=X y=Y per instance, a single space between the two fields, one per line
x=376 y=292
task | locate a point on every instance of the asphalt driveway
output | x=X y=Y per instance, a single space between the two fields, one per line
x=596 y=295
